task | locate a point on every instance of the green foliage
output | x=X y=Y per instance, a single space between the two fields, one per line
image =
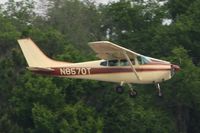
x=8 y=36
x=6 y=125
x=178 y=7
x=186 y=27
x=51 y=40
x=182 y=92
x=21 y=11
x=79 y=118
x=134 y=24
x=44 y=119
x=72 y=17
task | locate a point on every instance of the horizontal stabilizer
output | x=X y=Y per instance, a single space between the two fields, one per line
x=40 y=69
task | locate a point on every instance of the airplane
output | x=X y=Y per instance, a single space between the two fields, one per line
x=117 y=64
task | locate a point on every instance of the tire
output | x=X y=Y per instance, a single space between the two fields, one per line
x=119 y=89
x=133 y=93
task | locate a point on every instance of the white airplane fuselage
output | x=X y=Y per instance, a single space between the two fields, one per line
x=149 y=73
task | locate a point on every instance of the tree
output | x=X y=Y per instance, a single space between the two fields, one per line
x=79 y=118
x=178 y=7
x=19 y=13
x=123 y=114
x=32 y=103
x=78 y=21
x=44 y=119
x=183 y=92
x=133 y=23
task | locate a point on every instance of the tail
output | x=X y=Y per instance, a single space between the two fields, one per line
x=35 y=57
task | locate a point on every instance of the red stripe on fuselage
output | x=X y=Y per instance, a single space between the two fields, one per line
x=76 y=71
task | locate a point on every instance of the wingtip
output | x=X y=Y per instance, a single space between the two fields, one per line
x=97 y=42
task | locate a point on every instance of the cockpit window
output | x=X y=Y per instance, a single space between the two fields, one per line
x=142 y=60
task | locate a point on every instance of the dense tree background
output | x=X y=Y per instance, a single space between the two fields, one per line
x=32 y=103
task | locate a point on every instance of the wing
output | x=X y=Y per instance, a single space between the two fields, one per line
x=107 y=50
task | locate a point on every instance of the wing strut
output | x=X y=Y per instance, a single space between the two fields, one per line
x=129 y=61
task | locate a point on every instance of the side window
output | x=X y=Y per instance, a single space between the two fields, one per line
x=104 y=63
x=122 y=62
x=133 y=61
x=113 y=63
x=110 y=63
x=126 y=63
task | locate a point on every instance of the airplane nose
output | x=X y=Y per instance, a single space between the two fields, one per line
x=175 y=67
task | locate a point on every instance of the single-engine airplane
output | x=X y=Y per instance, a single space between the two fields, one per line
x=117 y=64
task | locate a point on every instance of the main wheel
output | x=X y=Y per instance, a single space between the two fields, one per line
x=119 y=89
x=133 y=93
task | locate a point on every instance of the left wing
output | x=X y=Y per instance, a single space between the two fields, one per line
x=107 y=50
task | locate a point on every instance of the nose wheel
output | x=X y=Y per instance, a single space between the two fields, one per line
x=132 y=92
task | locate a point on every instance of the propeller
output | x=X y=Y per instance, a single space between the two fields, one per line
x=174 y=69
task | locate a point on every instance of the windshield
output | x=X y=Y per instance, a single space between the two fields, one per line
x=143 y=60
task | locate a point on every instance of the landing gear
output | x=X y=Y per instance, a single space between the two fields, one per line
x=119 y=89
x=159 y=90
x=132 y=92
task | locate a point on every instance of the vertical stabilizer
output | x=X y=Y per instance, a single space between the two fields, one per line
x=35 y=57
